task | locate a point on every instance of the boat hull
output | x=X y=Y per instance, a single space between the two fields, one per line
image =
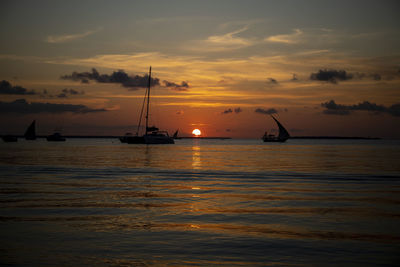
x=275 y=140
x=147 y=139
x=132 y=139
x=58 y=139
x=9 y=138
x=158 y=139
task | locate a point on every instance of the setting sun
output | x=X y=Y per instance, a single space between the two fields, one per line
x=196 y=132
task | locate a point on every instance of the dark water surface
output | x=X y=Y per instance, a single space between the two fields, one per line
x=200 y=203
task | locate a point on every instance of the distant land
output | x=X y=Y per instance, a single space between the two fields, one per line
x=214 y=137
x=334 y=137
x=203 y=137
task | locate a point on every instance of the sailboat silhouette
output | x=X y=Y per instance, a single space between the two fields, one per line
x=152 y=134
x=282 y=136
x=30 y=133
x=175 y=136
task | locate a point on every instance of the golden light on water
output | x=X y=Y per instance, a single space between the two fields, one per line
x=196 y=132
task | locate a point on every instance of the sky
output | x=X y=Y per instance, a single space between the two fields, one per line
x=320 y=67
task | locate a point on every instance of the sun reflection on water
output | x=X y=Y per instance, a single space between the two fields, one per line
x=196 y=159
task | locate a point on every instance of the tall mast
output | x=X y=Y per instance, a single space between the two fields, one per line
x=148 y=101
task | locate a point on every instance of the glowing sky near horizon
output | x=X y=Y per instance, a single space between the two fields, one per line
x=321 y=67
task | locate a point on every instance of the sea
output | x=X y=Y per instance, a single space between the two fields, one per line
x=200 y=202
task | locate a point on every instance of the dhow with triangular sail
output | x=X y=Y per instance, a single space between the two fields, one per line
x=30 y=133
x=282 y=136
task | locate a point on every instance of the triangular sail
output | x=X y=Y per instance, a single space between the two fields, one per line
x=175 y=134
x=30 y=133
x=283 y=133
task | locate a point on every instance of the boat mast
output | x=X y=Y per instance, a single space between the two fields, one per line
x=141 y=113
x=148 y=101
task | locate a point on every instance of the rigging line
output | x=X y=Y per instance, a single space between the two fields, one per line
x=141 y=113
x=154 y=115
x=148 y=100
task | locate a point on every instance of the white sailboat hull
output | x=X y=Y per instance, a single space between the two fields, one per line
x=158 y=139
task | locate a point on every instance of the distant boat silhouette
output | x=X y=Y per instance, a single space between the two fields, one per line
x=125 y=138
x=57 y=137
x=152 y=134
x=175 y=136
x=30 y=133
x=282 y=137
x=9 y=138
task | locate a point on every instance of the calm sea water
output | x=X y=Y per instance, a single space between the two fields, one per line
x=98 y=202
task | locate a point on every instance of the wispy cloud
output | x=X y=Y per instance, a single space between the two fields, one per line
x=229 y=38
x=227 y=41
x=56 y=39
x=248 y=76
x=292 y=38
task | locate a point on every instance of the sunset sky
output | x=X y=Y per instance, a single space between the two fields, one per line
x=320 y=67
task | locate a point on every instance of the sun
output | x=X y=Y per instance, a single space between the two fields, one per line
x=196 y=132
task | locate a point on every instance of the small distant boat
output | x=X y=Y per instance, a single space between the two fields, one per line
x=56 y=137
x=124 y=139
x=152 y=134
x=175 y=136
x=30 y=133
x=9 y=138
x=282 y=136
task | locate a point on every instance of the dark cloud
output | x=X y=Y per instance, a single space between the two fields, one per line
x=238 y=110
x=266 y=111
x=118 y=77
x=294 y=77
x=21 y=106
x=332 y=76
x=376 y=77
x=7 y=89
x=272 y=81
x=337 y=109
x=184 y=86
x=372 y=76
x=229 y=110
x=69 y=92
